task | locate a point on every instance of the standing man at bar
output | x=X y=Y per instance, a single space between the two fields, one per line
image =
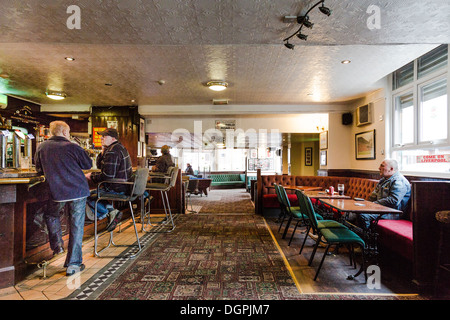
x=114 y=163
x=62 y=163
x=393 y=190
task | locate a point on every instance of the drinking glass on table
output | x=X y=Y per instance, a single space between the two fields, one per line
x=341 y=189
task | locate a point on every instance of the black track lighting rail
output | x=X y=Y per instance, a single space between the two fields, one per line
x=304 y=22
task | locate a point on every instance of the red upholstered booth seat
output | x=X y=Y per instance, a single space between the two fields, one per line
x=397 y=236
x=271 y=201
x=354 y=187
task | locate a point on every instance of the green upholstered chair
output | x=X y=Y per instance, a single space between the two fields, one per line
x=283 y=214
x=305 y=217
x=292 y=212
x=334 y=236
x=321 y=223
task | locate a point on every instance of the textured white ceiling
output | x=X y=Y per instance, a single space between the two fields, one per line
x=133 y=44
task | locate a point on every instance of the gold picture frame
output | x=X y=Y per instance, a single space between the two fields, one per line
x=323 y=140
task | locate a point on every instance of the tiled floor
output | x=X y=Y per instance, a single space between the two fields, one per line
x=57 y=285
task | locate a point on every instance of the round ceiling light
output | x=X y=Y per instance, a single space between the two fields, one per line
x=55 y=95
x=217 y=85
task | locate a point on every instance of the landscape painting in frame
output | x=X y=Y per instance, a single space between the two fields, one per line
x=365 y=145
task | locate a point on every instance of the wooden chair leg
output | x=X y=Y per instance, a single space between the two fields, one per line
x=304 y=240
x=321 y=262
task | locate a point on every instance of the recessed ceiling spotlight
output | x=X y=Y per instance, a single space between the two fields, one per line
x=217 y=85
x=345 y=61
x=56 y=95
x=69 y=59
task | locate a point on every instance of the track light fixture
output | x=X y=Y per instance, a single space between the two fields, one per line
x=325 y=10
x=289 y=45
x=302 y=36
x=304 y=22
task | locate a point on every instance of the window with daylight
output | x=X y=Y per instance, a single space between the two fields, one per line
x=420 y=119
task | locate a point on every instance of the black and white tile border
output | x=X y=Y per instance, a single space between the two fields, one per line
x=90 y=289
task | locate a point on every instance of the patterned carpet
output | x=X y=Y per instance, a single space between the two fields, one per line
x=223 y=201
x=215 y=256
x=208 y=257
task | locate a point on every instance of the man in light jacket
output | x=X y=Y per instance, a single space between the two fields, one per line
x=393 y=190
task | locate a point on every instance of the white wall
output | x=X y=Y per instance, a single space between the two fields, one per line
x=341 y=138
x=292 y=123
x=378 y=99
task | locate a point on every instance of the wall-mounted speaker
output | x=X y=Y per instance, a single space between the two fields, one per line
x=347 y=118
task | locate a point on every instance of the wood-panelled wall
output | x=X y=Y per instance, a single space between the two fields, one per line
x=128 y=125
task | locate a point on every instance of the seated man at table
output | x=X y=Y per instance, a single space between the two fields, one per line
x=165 y=161
x=393 y=190
x=189 y=171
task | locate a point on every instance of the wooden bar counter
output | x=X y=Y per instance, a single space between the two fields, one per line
x=23 y=233
x=14 y=196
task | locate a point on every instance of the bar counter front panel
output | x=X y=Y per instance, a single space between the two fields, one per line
x=23 y=232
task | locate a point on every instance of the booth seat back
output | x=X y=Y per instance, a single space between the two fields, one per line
x=323 y=182
x=312 y=181
x=225 y=177
x=268 y=181
x=360 y=188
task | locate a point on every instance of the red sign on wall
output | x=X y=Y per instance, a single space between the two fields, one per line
x=434 y=158
x=96 y=138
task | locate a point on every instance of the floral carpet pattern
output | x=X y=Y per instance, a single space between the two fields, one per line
x=208 y=257
x=223 y=201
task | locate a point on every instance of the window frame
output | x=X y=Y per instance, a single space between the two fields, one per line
x=436 y=142
x=415 y=87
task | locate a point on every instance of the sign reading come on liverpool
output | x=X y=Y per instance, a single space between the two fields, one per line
x=433 y=158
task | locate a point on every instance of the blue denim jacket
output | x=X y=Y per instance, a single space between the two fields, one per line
x=393 y=192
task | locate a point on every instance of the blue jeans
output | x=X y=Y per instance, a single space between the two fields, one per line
x=103 y=206
x=77 y=212
x=365 y=219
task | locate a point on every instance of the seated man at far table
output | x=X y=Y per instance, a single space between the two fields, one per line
x=393 y=190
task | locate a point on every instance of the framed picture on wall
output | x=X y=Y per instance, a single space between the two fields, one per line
x=139 y=149
x=365 y=145
x=323 y=140
x=323 y=158
x=308 y=156
x=142 y=130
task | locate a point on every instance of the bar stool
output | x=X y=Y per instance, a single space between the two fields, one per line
x=136 y=191
x=170 y=180
x=192 y=188
x=443 y=217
